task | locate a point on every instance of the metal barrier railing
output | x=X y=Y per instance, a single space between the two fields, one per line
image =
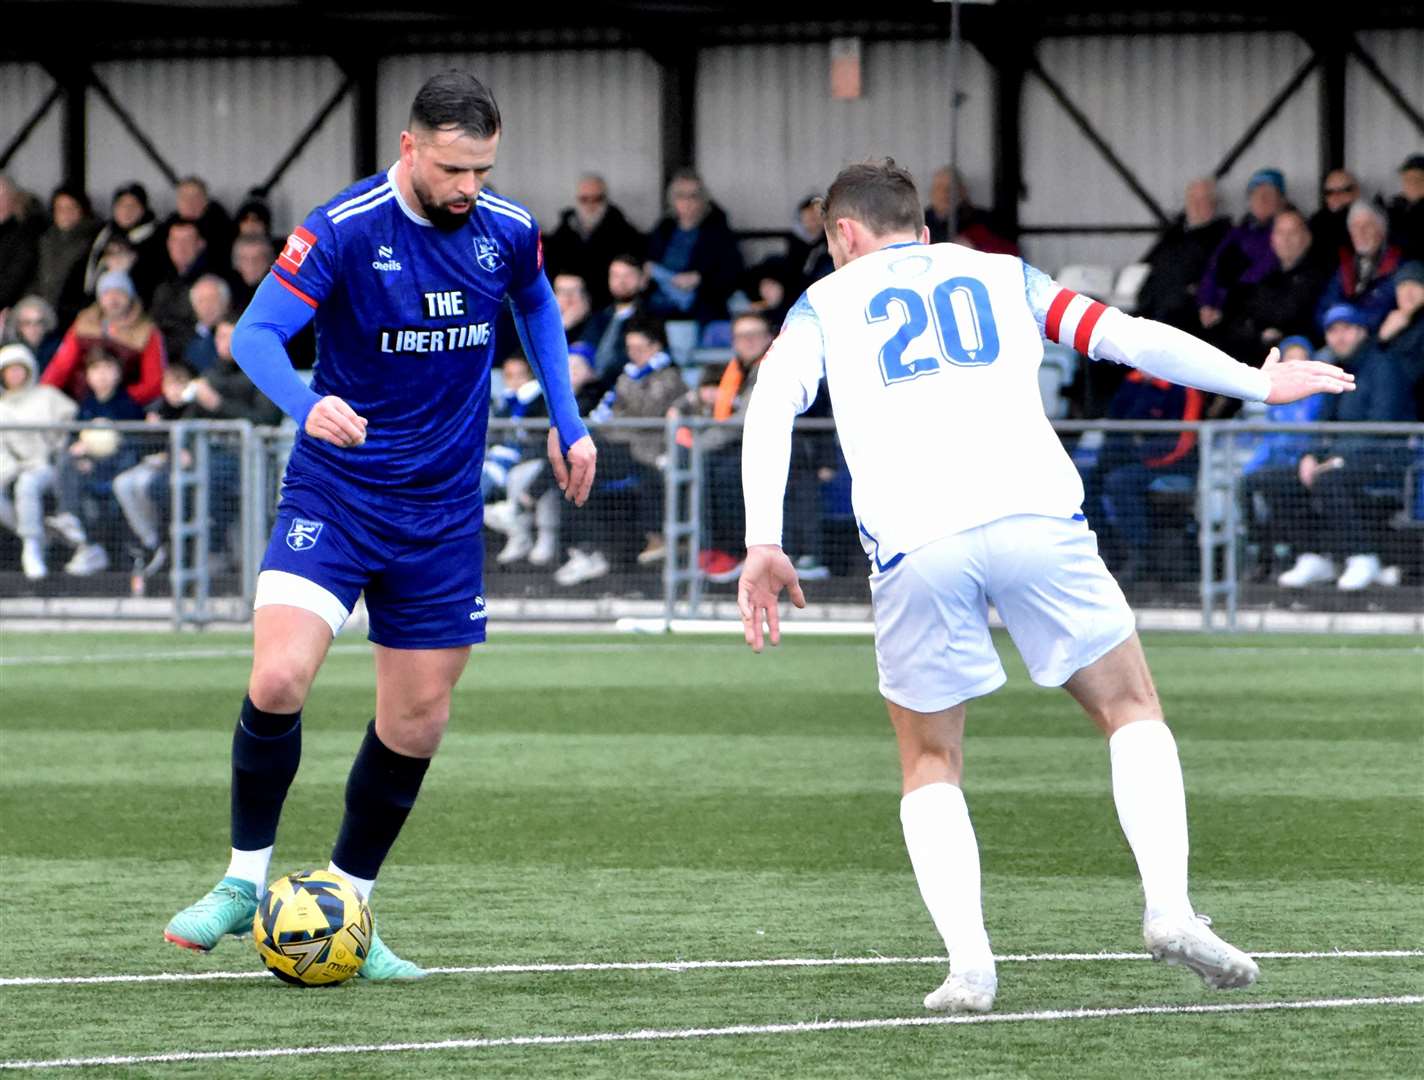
x=1222 y=531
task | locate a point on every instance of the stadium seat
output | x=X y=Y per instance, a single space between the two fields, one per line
x=717 y=334
x=1094 y=281
x=1128 y=285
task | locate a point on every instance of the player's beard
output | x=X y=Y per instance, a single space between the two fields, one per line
x=443 y=219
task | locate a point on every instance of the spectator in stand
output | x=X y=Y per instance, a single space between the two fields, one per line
x=31 y=322
x=1271 y=494
x=1406 y=210
x=1180 y=257
x=63 y=250
x=131 y=220
x=604 y=330
x=1244 y=257
x=118 y=323
x=817 y=262
x=19 y=245
x=631 y=485
x=1116 y=488
x=512 y=469
x=583 y=378
x=140 y=489
x=1402 y=332
x=211 y=301
x=952 y=217
x=693 y=262
x=1339 y=472
x=572 y=296
x=254 y=218
x=87 y=469
x=1282 y=303
x=589 y=235
x=721 y=462
x=1327 y=225
x=194 y=204
x=223 y=392
x=171 y=308
x=28 y=458
x=252 y=256
x=1365 y=278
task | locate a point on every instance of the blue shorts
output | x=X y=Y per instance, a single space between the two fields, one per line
x=422 y=592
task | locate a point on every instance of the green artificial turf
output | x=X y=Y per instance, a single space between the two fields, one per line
x=614 y=799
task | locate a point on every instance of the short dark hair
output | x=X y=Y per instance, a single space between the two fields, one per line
x=650 y=326
x=628 y=259
x=879 y=194
x=455 y=99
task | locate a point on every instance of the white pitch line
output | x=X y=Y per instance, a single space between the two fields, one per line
x=670 y=1034
x=710 y=965
x=236 y=652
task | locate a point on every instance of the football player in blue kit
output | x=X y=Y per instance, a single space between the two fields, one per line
x=405 y=274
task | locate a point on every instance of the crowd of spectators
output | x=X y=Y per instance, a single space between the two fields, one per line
x=130 y=316
x=125 y=318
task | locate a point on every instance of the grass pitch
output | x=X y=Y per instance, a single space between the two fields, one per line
x=608 y=800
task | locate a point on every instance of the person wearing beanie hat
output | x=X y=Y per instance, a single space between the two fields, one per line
x=117 y=322
x=1244 y=257
x=133 y=220
x=27 y=458
x=1274 y=177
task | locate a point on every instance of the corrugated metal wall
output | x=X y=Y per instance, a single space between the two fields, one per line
x=1170 y=107
x=229 y=121
x=564 y=113
x=769 y=133
x=1378 y=137
x=38 y=165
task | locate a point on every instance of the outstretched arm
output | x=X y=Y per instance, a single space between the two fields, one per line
x=1164 y=352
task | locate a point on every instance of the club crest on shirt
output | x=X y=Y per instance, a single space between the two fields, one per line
x=487 y=254
x=303 y=534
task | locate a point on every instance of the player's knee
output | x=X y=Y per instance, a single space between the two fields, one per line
x=418 y=729
x=279 y=687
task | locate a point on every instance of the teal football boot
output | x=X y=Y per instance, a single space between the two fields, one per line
x=382 y=965
x=228 y=909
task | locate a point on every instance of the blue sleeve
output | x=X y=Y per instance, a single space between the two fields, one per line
x=541 y=329
x=259 y=345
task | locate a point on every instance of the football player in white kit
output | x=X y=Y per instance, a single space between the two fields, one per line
x=965 y=497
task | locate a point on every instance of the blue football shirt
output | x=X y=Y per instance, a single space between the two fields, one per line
x=404 y=317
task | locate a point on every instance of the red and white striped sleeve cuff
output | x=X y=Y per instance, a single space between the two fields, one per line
x=1071 y=319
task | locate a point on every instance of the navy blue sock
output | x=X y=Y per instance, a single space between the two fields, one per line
x=379 y=794
x=266 y=749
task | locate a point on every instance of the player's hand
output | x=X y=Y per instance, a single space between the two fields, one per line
x=332 y=420
x=765 y=573
x=574 y=477
x=1292 y=380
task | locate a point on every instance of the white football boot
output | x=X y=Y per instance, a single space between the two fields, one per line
x=969 y=992
x=1190 y=943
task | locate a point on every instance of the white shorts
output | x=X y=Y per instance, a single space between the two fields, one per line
x=1043 y=574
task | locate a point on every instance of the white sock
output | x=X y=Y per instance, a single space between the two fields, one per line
x=945 y=855
x=250 y=866
x=362 y=885
x=1152 y=809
